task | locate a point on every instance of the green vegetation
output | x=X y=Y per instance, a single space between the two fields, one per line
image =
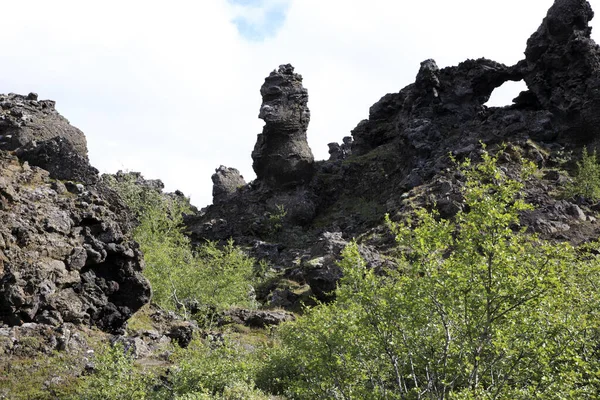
x=223 y=370
x=210 y=277
x=476 y=309
x=34 y=377
x=275 y=219
x=587 y=177
x=115 y=377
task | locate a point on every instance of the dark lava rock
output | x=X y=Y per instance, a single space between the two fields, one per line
x=561 y=67
x=60 y=159
x=65 y=257
x=282 y=157
x=256 y=318
x=226 y=181
x=340 y=151
x=404 y=155
x=182 y=333
x=24 y=118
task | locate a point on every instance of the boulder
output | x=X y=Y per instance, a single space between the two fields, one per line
x=25 y=118
x=226 y=182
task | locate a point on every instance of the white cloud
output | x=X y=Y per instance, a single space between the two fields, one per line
x=261 y=17
x=172 y=89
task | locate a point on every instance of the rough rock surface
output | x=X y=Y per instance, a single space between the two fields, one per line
x=60 y=159
x=340 y=151
x=225 y=183
x=282 y=157
x=25 y=118
x=32 y=338
x=561 y=68
x=64 y=255
x=399 y=156
x=256 y=318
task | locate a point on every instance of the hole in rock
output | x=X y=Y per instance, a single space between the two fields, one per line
x=503 y=95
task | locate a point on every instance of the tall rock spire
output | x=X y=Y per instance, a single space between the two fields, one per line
x=282 y=157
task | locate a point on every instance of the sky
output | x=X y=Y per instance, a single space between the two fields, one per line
x=171 y=89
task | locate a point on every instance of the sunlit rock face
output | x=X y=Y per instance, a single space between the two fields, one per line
x=282 y=157
x=562 y=67
x=66 y=253
x=25 y=118
x=404 y=154
x=226 y=181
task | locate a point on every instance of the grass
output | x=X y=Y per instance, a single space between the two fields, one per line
x=141 y=320
x=43 y=377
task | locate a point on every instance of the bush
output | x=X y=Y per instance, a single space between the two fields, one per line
x=114 y=377
x=475 y=309
x=216 y=371
x=587 y=177
x=210 y=277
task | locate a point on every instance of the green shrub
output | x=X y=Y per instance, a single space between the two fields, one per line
x=213 y=277
x=115 y=377
x=587 y=177
x=219 y=370
x=475 y=309
x=275 y=219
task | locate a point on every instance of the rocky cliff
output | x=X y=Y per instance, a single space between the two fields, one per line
x=65 y=249
x=299 y=214
x=66 y=252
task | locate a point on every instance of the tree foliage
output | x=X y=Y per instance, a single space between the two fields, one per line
x=476 y=308
x=209 y=276
x=587 y=177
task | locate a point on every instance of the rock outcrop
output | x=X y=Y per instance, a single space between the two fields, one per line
x=561 y=68
x=282 y=157
x=403 y=155
x=340 y=151
x=58 y=156
x=66 y=254
x=25 y=118
x=225 y=183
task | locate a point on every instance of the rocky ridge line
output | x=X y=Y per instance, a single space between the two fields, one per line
x=399 y=156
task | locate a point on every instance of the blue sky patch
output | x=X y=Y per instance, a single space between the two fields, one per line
x=257 y=20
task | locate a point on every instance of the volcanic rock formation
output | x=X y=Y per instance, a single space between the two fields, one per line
x=225 y=183
x=66 y=255
x=282 y=157
x=400 y=156
x=561 y=68
x=25 y=118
